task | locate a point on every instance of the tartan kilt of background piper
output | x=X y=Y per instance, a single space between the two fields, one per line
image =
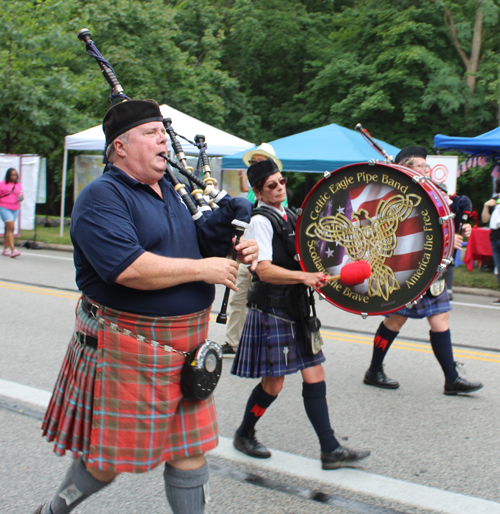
x=267 y=332
x=427 y=306
x=131 y=416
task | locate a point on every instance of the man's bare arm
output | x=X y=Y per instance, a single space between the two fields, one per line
x=153 y=272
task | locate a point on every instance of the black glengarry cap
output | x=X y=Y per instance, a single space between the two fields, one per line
x=260 y=170
x=411 y=151
x=127 y=115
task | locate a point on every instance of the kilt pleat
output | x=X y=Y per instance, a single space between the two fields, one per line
x=271 y=345
x=69 y=415
x=428 y=306
x=121 y=406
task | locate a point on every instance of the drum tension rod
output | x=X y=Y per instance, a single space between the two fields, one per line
x=420 y=178
x=444 y=219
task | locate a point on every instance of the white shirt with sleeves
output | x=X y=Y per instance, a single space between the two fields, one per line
x=261 y=230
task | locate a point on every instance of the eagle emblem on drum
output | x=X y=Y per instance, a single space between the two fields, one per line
x=372 y=239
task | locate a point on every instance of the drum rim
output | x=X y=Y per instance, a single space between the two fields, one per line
x=428 y=187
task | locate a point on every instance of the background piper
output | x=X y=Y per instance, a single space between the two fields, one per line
x=434 y=308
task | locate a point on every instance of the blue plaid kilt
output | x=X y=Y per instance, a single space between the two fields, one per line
x=267 y=333
x=427 y=306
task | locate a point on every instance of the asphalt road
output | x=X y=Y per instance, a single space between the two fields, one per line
x=418 y=436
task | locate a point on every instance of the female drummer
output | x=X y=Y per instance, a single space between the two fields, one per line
x=272 y=344
x=435 y=308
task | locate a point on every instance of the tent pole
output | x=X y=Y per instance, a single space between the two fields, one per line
x=63 y=191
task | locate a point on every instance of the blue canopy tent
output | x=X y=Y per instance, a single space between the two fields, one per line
x=318 y=150
x=487 y=144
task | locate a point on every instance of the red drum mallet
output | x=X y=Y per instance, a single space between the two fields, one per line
x=352 y=273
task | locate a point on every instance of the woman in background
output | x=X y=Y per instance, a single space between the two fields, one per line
x=11 y=195
x=491 y=214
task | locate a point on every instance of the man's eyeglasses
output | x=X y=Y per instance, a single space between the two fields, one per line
x=253 y=161
x=424 y=167
x=273 y=185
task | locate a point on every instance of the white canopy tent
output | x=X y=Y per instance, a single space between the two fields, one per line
x=219 y=143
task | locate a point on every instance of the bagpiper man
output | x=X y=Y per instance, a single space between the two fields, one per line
x=435 y=308
x=277 y=336
x=117 y=404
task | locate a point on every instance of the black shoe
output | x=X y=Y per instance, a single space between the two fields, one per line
x=228 y=350
x=461 y=386
x=380 y=379
x=342 y=456
x=251 y=446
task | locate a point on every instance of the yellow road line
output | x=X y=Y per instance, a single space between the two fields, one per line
x=413 y=347
x=40 y=290
x=327 y=334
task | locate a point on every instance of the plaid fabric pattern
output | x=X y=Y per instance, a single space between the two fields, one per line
x=427 y=306
x=68 y=418
x=267 y=334
x=139 y=417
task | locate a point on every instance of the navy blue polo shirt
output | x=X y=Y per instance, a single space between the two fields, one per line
x=115 y=220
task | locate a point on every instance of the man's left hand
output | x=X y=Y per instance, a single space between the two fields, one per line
x=247 y=252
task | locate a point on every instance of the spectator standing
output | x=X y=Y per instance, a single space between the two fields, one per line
x=11 y=196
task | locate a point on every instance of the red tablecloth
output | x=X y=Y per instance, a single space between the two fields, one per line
x=478 y=247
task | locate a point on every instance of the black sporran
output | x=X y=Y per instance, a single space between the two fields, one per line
x=312 y=335
x=310 y=324
x=201 y=371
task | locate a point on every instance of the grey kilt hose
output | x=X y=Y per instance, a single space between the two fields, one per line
x=271 y=345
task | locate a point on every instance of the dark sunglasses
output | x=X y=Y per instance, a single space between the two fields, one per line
x=274 y=185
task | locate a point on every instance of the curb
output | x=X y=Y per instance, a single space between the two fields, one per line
x=476 y=291
x=47 y=246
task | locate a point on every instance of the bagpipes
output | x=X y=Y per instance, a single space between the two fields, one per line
x=216 y=218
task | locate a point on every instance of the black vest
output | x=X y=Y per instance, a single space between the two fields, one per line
x=280 y=296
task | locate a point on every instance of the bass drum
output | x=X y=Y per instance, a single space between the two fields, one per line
x=389 y=215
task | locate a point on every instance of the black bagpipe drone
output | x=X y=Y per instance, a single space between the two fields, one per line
x=218 y=217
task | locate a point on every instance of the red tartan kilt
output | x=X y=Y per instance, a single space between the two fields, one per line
x=68 y=419
x=121 y=406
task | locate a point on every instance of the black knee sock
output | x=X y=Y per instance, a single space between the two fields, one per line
x=186 y=490
x=78 y=484
x=257 y=404
x=381 y=344
x=441 y=346
x=317 y=411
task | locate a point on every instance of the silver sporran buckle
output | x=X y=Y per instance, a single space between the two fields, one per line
x=201 y=371
x=437 y=287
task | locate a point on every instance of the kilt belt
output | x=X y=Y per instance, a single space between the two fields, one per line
x=121 y=405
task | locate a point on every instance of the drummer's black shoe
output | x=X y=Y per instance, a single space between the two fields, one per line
x=228 y=350
x=342 y=456
x=461 y=386
x=380 y=379
x=251 y=446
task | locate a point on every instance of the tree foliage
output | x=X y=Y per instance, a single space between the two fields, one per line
x=406 y=69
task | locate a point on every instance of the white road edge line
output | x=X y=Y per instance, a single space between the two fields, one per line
x=354 y=480
x=475 y=305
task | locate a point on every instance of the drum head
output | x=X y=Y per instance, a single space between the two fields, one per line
x=376 y=213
